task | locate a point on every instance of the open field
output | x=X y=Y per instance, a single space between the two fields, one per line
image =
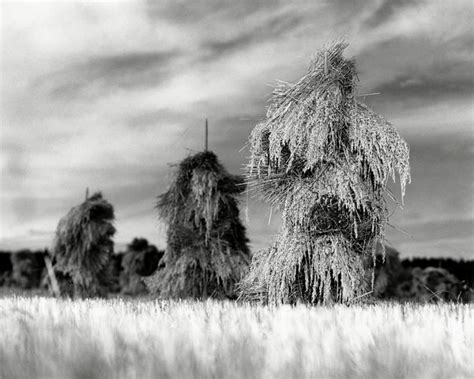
x=45 y=337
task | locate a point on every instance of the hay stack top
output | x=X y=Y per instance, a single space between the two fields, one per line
x=317 y=127
x=200 y=184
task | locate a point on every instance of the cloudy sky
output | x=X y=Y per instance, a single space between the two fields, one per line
x=106 y=95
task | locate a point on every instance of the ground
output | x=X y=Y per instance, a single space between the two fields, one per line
x=45 y=337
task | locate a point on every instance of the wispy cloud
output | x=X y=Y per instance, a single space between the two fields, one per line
x=110 y=73
x=384 y=11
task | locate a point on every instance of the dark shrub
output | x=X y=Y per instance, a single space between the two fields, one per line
x=27 y=268
x=5 y=268
x=141 y=259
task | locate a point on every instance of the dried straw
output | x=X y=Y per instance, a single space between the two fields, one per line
x=83 y=245
x=323 y=158
x=207 y=250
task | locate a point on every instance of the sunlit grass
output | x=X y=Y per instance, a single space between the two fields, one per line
x=44 y=337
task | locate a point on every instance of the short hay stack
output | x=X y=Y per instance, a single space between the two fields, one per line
x=83 y=246
x=207 y=251
x=323 y=158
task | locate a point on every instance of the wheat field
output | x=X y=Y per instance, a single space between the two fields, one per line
x=50 y=338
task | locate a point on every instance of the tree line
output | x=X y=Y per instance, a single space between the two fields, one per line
x=409 y=279
x=26 y=269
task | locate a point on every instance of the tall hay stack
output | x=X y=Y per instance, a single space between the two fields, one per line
x=323 y=159
x=83 y=246
x=207 y=252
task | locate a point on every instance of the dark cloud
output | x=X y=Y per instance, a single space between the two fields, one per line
x=426 y=72
x=259 y=21
x=155 y=118
x=220 y=47
x=432 y=84
x=269 y=29
x=184 y=12
x=103 y=73
x=386 y=10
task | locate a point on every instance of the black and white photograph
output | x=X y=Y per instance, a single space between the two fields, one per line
x=237 y=189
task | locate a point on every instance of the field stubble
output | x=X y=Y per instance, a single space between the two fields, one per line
x=44 y=337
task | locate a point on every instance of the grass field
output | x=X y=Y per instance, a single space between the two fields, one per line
x=45 y=337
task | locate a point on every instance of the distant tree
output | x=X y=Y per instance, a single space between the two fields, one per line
x=115 y=272
x=388 y=272
x=207 y=251
x=83 y=246
x=140 y=260
x=429 y=284
x=27 y=268
x=324 y=159
x=5 y=268
x=462 y=269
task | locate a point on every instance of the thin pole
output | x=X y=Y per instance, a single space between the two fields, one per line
x=87 y=193
x=207 y=136
x=51 y=274
x=326 y=63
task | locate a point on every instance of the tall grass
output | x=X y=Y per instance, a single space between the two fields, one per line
x=43 y=337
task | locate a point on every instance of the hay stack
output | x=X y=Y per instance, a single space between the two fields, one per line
x=207 y=250
x=83 y=245
x=323 y=159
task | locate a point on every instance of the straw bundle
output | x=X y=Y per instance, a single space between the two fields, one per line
x=323 y=158
x=207 y=250
x=83 y=245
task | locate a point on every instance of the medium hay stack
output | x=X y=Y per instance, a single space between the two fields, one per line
x=323 y=159
x=83 y=246
x=207 y=252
